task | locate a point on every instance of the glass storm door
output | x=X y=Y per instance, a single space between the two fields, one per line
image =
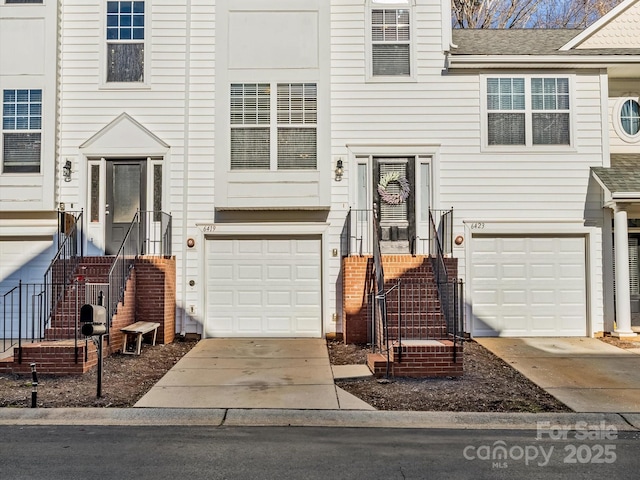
x=126 y=193
x=394 y=179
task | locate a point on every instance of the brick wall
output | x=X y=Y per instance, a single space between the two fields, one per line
x=150 y=297
x=126 y=314
x=156 y=294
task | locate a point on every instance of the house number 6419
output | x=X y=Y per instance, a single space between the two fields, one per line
x=477 y=226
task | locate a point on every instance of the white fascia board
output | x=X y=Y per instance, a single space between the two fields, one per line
x=607 y=192
x=547 y=61
x=625 y=196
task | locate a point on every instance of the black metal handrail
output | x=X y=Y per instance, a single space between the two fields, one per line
x=450 y=291
x=22 y=313
x=66 y=260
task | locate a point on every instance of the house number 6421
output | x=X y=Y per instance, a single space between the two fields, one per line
x=477 y=226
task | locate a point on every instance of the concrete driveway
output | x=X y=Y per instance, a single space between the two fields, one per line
x=279 y=373
x=585 y=374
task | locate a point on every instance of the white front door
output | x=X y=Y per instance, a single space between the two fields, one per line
x=528 y=286
x=264 y=287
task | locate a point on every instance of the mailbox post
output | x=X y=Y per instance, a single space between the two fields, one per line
x=94 y=324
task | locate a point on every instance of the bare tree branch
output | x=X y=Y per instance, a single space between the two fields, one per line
x=528 y=13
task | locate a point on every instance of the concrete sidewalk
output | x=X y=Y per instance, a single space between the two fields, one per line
x=585 y=374
x=281 y=373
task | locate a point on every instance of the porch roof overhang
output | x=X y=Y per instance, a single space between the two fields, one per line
x=620 y=181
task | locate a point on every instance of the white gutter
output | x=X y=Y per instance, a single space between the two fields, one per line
x=546 y=61
x=185 y=169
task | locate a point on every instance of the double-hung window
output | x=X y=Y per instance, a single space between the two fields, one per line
x=125 y=41
x=273 y=132
x=528 y=111
x=390 y=38
x=21 y=131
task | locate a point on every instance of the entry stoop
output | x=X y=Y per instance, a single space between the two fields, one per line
x=420 y=359
x=52 y=358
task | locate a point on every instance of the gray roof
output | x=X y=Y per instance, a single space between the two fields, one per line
x=524 y=42
x=622 y=176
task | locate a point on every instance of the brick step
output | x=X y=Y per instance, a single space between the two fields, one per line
x=51 y=358
x=419 y=333
x=420 y=359
x=61 y=333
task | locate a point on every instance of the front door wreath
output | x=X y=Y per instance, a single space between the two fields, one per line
x=394 y=198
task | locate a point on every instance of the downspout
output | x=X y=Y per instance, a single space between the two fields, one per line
x=185 y=163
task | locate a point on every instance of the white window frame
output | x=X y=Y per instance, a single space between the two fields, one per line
x=617 y=121
x=528 y=112
x=275 y=124
x=144 y=84
x=390 y=5
x=29 y=130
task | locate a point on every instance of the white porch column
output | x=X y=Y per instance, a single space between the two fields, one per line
x=623 y=292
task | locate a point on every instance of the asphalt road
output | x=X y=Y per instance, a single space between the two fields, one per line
x=192 y=453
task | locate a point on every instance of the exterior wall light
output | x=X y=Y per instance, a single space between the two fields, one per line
x=339 y=170
x=66 y=171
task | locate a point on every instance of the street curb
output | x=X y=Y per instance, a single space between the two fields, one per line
x=310 y=418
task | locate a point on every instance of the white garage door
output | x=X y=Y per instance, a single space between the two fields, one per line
x=264 y=287
x=528 y=286
x=24 y=259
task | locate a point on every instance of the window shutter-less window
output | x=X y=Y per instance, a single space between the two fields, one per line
x=390 y=42
x=550 y=105
x=250 y=131
x=297 y=117
x=125 y=41
x=21 y=131
x=506 y=116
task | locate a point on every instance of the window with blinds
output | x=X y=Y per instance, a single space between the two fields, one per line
x=550 y=107
x=21 y=131
x=505 y=105
x=390 y=42
x=297 y=118
x=533 y=111
x=293 y=127
x=125 y=41
x=250 y=126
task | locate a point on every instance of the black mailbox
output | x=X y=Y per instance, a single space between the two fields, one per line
x=93 y=319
